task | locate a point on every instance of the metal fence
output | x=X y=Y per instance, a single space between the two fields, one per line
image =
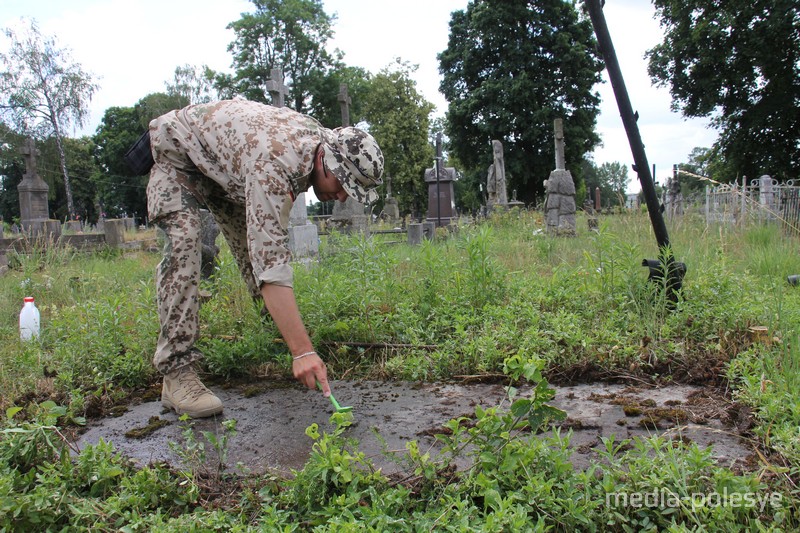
x=762 y=200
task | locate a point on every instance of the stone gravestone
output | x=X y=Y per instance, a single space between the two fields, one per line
x=415 y=233
x=514 y=202
x=344 y=103
x=348 y=216
x=560 y=205
x=767 y=197
x=34 y=211
x=391 y=211
x=276 y=88
x=73 y=226
x=441 y=195
x=496 y=179
x=591 y=217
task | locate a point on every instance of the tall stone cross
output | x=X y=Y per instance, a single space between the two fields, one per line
x=32 y=190
x=276 y=88
x=344 y=103
x=29 y=152
x=559 y=135
x=388 y=186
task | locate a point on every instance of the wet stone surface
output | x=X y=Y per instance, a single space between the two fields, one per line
x=272 y=418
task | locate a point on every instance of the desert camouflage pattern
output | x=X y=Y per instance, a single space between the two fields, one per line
x=357 y=162
x=245 y=162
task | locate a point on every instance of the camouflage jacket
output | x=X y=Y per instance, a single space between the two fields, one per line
x=247 y=153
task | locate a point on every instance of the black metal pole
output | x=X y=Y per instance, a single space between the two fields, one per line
x=436 y=169
x=641 y=167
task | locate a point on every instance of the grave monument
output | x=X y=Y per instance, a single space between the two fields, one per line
x=34 y=211
x=391 y=211
x=560 y=205
x=441 y=195
x=496 y=179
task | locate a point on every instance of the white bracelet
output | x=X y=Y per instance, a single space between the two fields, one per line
x=296 y=357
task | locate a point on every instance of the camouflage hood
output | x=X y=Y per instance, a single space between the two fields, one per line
x=353 y=156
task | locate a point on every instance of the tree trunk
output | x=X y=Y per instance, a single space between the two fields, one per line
x=62 y=158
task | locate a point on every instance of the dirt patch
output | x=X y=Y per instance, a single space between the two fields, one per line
x=272 y=418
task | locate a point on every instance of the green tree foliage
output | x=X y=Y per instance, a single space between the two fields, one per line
x=12 y=168
x=286 y=34
x=118 y=191
x=156 y=104
x=510 y=69
x=739 y=63
x=324 y=89
x=701 y=165
x=193 y=84
x=612 y=180
x=42 y=92
x=398 y=118
x=82 y=169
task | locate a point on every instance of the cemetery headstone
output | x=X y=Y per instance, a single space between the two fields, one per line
x=591 y=217
x=304 y=241
x=415 y=231
x=73 y=226
x=344 y=103
x=496 y=178
x=276 y=88
x=114 y=232
x=344 y=213
x=429 y=230
x=34 y=211
x=560 y=205
x=767 y=197
x=441 y=194
x=514 y=202
x=391 y=211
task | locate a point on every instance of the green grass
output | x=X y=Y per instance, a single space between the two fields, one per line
x=498 y=298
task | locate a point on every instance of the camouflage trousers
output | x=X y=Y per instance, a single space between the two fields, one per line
x=178 y=273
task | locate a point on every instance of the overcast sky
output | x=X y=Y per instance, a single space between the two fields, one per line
x=133 y=46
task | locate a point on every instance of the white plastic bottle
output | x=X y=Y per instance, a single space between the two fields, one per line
x=29 y=320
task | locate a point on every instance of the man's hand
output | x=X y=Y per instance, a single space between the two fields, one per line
x=309 y=370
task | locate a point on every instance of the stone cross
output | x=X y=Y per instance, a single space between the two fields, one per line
x=276 y=88
x=560 y=160
x=344 y=103
x=29 y=152
x=33 y=209
x=388 y=186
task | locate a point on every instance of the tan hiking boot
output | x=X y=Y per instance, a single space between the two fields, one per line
x=185 y=393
